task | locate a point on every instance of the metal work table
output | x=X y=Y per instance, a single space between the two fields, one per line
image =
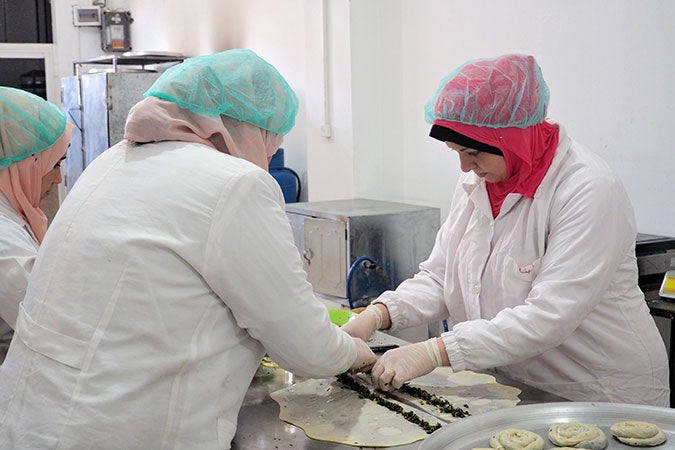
x=660 y=306
x=259 y=426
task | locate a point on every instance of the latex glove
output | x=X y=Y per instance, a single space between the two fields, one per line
x=402 y=364
x=365 y=358
x=365 y=324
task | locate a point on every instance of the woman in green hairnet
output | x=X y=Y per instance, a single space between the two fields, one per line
x=535 y=265
x=168 y=273
x=34 y=138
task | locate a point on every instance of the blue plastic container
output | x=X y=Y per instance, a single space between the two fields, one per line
x=277 y=161
x=288 y=180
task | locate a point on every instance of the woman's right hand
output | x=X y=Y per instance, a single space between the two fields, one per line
x=365 y=324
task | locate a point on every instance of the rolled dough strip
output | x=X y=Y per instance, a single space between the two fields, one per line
x=638 y=434
x=578 y=435
x=516 y=439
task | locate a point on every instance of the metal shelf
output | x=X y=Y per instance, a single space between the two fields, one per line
x=142 y=59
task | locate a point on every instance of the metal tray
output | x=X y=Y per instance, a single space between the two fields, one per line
x=476 y=431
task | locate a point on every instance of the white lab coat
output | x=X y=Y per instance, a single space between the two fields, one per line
x=18 y=248
x=166 y=275
x=547 y=291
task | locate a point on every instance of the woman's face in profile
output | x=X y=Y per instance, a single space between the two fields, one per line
x=50 y=179
x=485 y=165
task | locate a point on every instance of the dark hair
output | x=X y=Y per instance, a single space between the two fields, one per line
x=446 y=134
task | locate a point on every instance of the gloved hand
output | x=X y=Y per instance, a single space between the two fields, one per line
x=402 y=364
x=365 y=324
x=365 y=358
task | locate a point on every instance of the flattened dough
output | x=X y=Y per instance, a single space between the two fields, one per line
x=577 y=435
x=516 y=439
x=638 y=434
x=327 y=411
x=480 y=392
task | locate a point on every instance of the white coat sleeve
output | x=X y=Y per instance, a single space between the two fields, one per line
x=592 y=230
x=254 y=267
x=17 y=255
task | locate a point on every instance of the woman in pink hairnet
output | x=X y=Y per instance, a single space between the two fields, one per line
x=535 y=266
x=34 y=137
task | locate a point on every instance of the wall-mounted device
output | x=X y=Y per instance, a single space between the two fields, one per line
x=115 y=35
x=86 y=16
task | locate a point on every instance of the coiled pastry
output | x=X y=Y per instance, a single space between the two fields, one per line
x=638 y=434
x=577 y=435
x=516 y=439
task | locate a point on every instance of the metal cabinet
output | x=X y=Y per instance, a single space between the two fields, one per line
x=333 y=237
x=98 y=101
x=106 y=99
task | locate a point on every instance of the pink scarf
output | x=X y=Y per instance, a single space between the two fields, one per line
x=21 y=182
x=528 y=153
x=156 y=120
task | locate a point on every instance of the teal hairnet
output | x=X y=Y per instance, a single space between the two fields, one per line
x=235 y=83
x=28 y=125
x=506 y=91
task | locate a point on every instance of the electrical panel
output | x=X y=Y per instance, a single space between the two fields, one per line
x=115 y=31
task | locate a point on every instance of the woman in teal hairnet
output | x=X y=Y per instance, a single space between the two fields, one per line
x=34 y=138
x=168 y=273
x=535 y=265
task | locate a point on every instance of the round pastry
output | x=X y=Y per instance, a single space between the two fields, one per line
x=577 y=435
x=638 y=434
x=516 y=439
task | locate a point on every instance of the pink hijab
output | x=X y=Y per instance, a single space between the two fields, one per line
x=501 y=102
x=21 y=182
x=156 y=120
x=528 y=153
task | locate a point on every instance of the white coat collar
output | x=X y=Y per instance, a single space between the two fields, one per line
x=7 y=210
x=476 y=191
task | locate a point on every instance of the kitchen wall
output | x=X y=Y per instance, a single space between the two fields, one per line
x=363 y=70
x=607 y=66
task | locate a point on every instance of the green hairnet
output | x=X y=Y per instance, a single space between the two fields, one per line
x=28 y=125
x=235 y=83
x=506 y=91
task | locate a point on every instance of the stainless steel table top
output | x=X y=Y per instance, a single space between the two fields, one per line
x=259 y=426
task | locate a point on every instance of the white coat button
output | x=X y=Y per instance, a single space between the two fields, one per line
x=476 y=288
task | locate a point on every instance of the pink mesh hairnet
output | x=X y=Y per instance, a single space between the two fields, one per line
x=506 y=91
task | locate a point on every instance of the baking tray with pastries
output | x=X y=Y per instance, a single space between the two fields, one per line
x=545 y=426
